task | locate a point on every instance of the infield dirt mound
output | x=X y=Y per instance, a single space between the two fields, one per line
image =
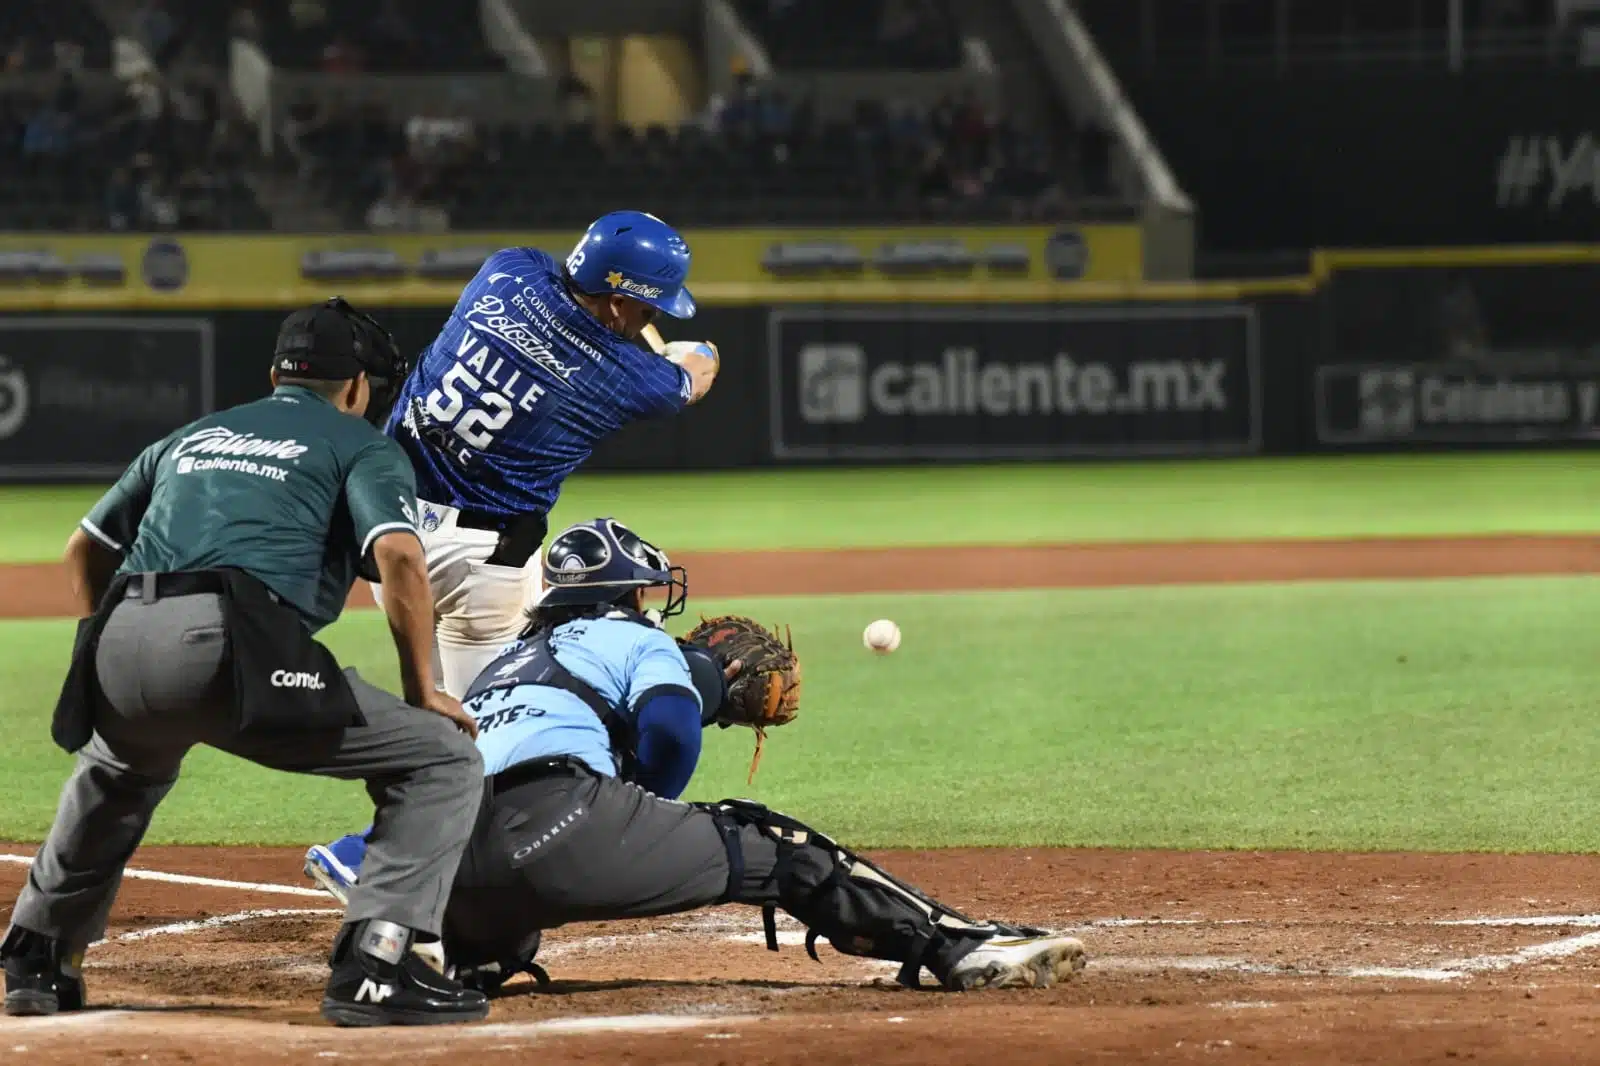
x=1211 y=956
x=40 y=590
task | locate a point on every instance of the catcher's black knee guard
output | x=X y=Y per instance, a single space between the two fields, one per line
x=835 y=893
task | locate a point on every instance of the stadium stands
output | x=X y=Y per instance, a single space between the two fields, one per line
x=383 y=36
x=758 y=160
x=855 y=34
x=171 y=151
x=54 y=35
x=157 y=157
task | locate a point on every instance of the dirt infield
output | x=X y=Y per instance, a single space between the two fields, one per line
x=35 y=591
x=1195 y=957
x=1237 y=957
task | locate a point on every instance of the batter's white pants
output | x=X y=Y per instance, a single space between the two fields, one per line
x=479 y=607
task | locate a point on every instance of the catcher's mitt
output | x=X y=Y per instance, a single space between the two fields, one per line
x=766 y=691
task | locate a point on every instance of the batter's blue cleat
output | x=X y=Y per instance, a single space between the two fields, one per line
x=334 y=867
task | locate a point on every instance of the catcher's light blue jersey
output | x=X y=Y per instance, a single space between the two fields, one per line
x=621 y=660
x=518 y=387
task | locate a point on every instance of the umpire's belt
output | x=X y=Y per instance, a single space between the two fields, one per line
x=151 y=587
x=284 y=681
x=537 y=769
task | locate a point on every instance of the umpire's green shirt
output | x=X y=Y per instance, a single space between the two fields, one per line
x=288 y=489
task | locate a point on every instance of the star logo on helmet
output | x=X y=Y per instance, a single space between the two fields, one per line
x=614 y=279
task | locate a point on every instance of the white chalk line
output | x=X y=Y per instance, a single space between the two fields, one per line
x=190 y=879
x=1577 y=921
x=723 y=927
x=216 y=922
x=645 y=1023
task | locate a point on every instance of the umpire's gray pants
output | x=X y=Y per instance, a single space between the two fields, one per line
x=168 y=686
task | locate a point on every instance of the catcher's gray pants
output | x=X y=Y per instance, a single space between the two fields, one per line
x=168 y=686
x=577 y=846
x=573 y=846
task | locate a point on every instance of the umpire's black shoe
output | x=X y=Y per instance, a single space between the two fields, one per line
x=378 y=980
x=42 y=977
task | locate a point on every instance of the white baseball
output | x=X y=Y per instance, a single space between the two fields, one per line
x=882 y=636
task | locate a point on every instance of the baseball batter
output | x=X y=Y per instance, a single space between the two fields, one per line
x=590 y=728
x=537 y=363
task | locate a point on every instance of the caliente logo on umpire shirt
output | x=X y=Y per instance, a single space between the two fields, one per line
x=222 y=441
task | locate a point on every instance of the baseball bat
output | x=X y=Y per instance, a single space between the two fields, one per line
x=652 y=337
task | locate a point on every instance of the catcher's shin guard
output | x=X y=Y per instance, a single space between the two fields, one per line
x=835 y=893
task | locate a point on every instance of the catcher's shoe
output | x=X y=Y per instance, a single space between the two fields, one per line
x=330 y=874
x=380 y=979
x=1018 y=962
x=42 y=976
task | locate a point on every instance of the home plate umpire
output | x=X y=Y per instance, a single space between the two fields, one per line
x=204 y=573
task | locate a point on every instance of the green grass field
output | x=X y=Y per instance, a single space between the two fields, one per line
x=1409 y=715
x=1016 y=504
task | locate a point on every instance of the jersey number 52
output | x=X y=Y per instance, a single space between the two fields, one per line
x=476 y=424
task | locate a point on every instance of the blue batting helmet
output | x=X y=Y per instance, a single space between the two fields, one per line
x=634 y=254
x=598 y=561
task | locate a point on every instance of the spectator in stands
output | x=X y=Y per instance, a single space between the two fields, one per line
x=302 y=121
x=67 y=56
x=17 y=56
x=393 y=33
x=774 y=118
x=897 y=23
x=935 y=182
x=192 y=119
x=577 y=99
x=970 y=125
x=401 y=214
x=156 y=27
x=122 y=201
x=245 y=23
x=158 y=209
x=307 y=14
x=232 y=139
x=50 y=135
x=339 y=56
x=149 y=126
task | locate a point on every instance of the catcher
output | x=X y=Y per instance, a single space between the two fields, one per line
x=590 y=728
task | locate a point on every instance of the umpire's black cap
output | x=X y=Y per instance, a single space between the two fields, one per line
x=334 y=342
x=323 y=343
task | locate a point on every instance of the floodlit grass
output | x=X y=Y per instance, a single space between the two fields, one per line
x=1408 y=715
x=1034 y=503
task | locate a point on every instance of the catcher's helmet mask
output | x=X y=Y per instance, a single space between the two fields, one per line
x=599 y=561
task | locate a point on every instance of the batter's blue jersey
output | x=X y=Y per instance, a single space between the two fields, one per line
x=620 y=659
x=518 y=388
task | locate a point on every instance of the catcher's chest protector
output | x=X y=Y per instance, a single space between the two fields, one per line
x=536 y=664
